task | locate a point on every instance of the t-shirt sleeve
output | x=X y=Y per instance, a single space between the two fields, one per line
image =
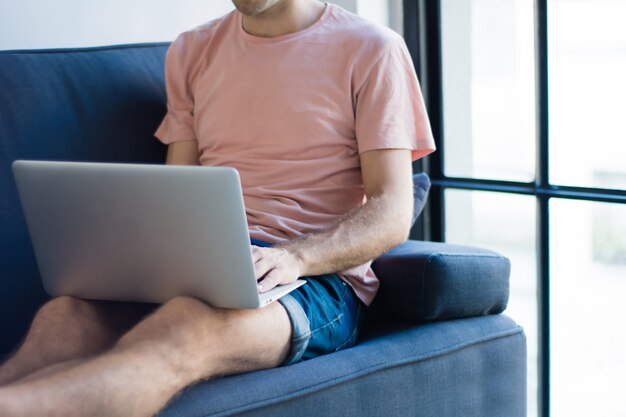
x=390 y=111
x=178 y=124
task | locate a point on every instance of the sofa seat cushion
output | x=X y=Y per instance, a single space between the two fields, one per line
x=468 y=367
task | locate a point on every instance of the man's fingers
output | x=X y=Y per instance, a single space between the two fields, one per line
x=262 y=267
x=270 y=280
x=256 y=254
x=273 y=267
x=262 y=264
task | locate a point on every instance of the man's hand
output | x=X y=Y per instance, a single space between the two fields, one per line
x=274 y=266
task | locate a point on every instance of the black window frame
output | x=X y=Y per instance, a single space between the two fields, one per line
x=422 y=32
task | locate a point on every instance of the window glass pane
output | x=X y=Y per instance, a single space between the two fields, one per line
x=504 y=223
x=488 y=88
x=588 y=289
x=587 y=86
x=384 y=12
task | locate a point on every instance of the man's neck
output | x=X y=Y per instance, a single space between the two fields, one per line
x=283 y=18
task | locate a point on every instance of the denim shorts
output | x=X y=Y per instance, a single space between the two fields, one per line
x=325 y=316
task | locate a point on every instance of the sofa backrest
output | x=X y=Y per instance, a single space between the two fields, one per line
x=89 y=104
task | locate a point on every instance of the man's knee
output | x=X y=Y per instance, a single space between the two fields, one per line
x=75 y=321
x=62 y=309
x=185 y=308
x=179 y=321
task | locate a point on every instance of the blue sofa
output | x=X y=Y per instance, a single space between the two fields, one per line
x=433 y=344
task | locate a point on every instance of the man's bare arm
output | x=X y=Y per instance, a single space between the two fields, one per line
x=183 y=153
x=362 y=235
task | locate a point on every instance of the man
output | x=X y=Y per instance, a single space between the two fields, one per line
x=319 y=111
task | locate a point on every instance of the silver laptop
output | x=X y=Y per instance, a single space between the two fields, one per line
x=142 y=233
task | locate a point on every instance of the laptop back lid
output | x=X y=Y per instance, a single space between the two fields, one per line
x=139 y=232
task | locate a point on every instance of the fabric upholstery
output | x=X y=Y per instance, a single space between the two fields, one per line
x=421 y=186
x=94 y=104
x=472 y=368
x=423 y=281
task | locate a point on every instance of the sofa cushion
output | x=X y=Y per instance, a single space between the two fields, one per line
x=423 y=281
x=421 y=185
x=471 y=367
x=90 y=104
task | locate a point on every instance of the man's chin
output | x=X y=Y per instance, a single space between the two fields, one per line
x=249 y=7
x=253 y=7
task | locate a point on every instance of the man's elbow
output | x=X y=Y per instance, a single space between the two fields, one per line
x=401 y=224
x=395 y=215
x=401 y=234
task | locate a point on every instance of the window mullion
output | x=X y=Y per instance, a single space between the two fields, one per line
x=543 y=204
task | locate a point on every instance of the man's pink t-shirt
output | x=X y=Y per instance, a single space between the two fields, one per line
x=293 y=113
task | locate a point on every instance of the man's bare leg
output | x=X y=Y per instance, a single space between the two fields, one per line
x=184 y=341
x=66 y=329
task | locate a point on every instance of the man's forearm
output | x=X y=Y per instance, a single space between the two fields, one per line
x=362 y=235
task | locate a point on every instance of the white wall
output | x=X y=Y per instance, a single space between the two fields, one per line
x=26 y=24
x=73 y=23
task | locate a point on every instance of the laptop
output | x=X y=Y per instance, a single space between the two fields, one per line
x=144 y=233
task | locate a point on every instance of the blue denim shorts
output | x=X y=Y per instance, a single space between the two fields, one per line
x=325 y=316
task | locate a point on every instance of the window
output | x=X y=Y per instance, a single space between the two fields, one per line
x=526 y=102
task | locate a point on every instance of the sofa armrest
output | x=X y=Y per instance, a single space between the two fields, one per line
x=425 y=281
